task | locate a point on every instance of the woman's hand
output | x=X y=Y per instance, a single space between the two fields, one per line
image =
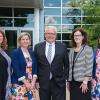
x=84 y=87
x=33 y=82
x=37 y=86
x=27 y=84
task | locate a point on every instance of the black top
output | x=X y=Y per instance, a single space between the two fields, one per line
x=3 y=70
x=75 y=53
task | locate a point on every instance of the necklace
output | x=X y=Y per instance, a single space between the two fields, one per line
x=77 y=49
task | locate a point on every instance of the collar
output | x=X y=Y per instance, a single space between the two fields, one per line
x=47 y=43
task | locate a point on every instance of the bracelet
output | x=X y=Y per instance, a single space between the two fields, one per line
x=35 y=76
x=85 y=82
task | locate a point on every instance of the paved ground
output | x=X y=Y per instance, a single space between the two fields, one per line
x=67 y=95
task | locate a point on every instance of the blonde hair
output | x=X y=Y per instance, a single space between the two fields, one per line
x=21 y=35
x=50 y=27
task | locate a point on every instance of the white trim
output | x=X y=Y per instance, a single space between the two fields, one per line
x=21 y=78
x=34 y=76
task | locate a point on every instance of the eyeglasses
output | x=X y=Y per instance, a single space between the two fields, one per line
x=51 y=33
x=77 y=35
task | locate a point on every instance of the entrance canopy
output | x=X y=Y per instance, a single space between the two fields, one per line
x=22 y=3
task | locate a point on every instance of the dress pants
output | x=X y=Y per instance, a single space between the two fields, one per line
x=53 y=91
x=76 y=91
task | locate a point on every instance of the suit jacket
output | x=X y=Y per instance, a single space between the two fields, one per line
x=83 y=63
x=58 y=67
x=19 y=65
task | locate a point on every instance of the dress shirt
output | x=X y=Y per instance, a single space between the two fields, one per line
x=53 y=50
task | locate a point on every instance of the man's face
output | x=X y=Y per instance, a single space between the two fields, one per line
x=50 y=35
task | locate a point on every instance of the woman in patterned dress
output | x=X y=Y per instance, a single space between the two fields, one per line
x=96 y=73
x=24 y=68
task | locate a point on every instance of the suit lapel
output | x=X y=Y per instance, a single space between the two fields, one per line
x=44 y=48
x=72 y=55
x=79 y=53
x=56 y=49
x=22 y=55
x=30 y=52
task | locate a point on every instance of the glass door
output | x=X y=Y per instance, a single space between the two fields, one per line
x=11 y=35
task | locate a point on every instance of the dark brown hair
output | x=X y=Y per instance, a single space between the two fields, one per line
x=84 y=42
x=4 y=42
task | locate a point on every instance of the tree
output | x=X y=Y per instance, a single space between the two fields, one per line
x=91 y=18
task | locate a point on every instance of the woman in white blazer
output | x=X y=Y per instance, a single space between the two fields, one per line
x=81 y=65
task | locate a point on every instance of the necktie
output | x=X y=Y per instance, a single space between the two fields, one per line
x=49 y=57
x=49 y=53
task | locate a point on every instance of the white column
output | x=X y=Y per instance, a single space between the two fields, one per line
x=36 y=27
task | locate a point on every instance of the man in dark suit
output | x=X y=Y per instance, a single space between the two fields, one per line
x=53 y=66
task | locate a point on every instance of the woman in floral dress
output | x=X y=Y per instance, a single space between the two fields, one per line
x=24 y=68
x=96 y=74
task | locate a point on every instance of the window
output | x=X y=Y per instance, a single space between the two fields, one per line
x=66 y=3
x=52 y=20
x=23 y=22
x=16 y=17
x=71 y=12
x=24 y=12
x=5 y=12
x=52 y=11
x=5 y=22
x=52 y=3
x=64 y=17
x=71 y=20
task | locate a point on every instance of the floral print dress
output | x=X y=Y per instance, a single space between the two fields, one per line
x=20 y=92
x=96 y=81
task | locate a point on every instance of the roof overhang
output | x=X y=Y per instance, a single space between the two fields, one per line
x=22 y=3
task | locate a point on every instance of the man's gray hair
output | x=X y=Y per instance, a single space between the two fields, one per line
x=51 y=27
